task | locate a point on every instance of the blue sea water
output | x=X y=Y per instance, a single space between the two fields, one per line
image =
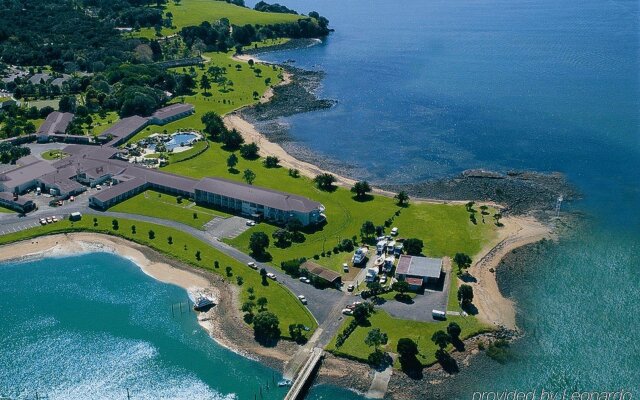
x=94 y=325
x=430 y=88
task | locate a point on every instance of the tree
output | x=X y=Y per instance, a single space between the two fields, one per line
x=67 y=104
x=170 y=240
x=402 y=197
x=263 y=275
x=483 y=210
x=282 y=238
x=367 y=229
x=375 y=338
x=213 y=124
x=231 y=139
x=152 y=234
x=271 y=162
x=294 y=225
x=375 y=288
x=249 y=151
x=198 y=256
x=469 y=206
x=133 y=229
x=325 y=181
x=258 y=243
x=256 y=95
x=257 y=71
x=266 y=327
x=262 y=303
x=454 y=330
x=497 y=217
x=465 y=294
x=440 y=338
x=249 y=176
x=362 y=312
x=462 y=261
x=400 y=286
x=251 y=62
x=205 y=83
x=232 y=161
x=413 y=246
x=114 y=224
x=296 y=331
x=361 y=188
x=248 y=307
x=407 y=348
x=229 y=270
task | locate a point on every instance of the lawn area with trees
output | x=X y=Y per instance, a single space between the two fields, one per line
x=420 y=332
x=194 y=12
x=187 y=249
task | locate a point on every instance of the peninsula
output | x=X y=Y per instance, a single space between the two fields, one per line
x=131 y=145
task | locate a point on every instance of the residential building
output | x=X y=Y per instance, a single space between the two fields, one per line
x=418 y=271
x=171 y=113
x=56 y=123
x=13 y=202
x=257 y=202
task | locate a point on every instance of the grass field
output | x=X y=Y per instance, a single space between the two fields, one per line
x=194 y=12
x=419 y=332
x=184 y=248
x=5 y=210
x=53 y=155
x=239 y=95
x=160 y=205
x=445 y=229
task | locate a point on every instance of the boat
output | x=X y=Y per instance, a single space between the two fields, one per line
x=202 y=303
x=284 y=382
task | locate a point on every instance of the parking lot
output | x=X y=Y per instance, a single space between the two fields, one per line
x=226 y=227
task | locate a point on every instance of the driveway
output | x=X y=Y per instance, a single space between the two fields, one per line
x=423 y=304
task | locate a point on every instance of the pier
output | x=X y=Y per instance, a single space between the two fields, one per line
x=305 y=374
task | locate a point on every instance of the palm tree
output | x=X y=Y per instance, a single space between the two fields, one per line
x=205 y=84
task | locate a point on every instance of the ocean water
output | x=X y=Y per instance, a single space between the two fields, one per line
x=94 y=325
x=427 y=89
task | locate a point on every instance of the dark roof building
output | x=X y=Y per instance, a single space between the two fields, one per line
x=321 y=272
x=55 y=124
x=122 y=130
x=19 y=204
x=171 y=113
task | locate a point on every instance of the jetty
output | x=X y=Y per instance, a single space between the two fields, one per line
x=305 y=374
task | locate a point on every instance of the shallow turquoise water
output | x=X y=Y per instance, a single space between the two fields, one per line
x=94 y=325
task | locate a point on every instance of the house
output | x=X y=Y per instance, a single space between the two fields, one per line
x=320 y=272
x=272 y=205
x=56 y=123
x=7 y=101
x=39 y=78
x=418 y=271
x=16 y=203
x=171 y=113
x=123 y=130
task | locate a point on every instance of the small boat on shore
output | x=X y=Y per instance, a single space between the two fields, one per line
x=203 y=303
x=284 y=382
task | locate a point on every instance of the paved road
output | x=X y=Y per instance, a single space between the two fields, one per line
x=320 y=302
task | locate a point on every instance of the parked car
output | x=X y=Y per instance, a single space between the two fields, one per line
x=383 y=279
x=49 y=220
x=303 y=299
x=252 y=265
x=271 y=275
x=350 y=288
x=351 y=307
x=345 y=267
x=251 y=223
x=304 y=279
x=347 y=311
x=98 y=187
x=394 y=231
x=54 y=219
x=43 y=221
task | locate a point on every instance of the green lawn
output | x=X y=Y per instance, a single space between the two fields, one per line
x=102 y=124
x=160 y=205
x=194 y=12
x=419 y=332
x=5 y=210
x=183 y=248
x=53 y=155
x=222 y=102
x=445 y=229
